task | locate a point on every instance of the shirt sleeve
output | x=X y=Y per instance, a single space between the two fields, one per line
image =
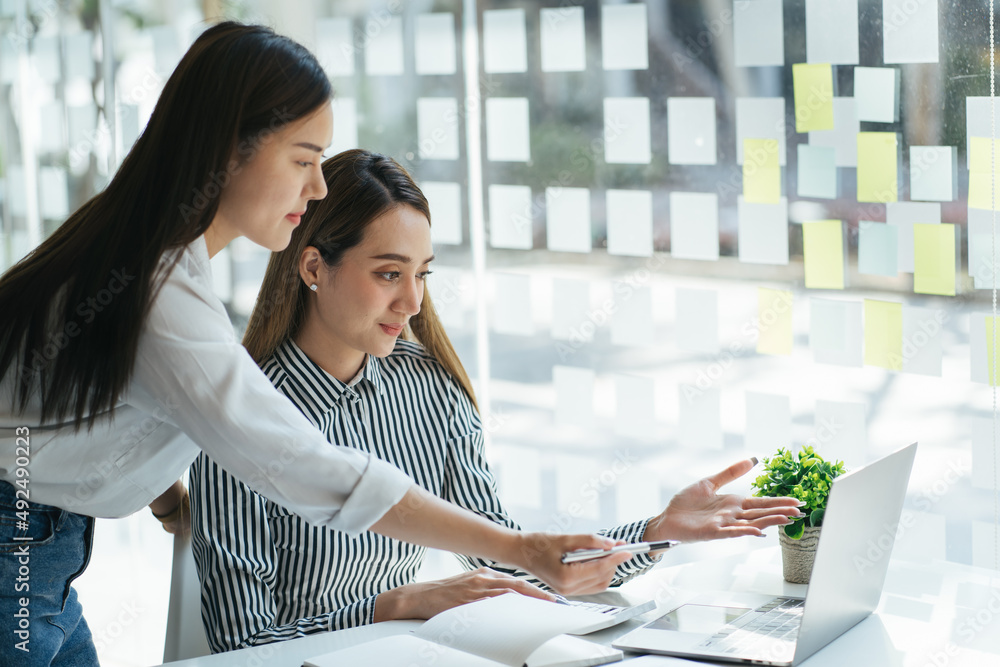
x=238 y=567
x=470 y=483
x=191 y=368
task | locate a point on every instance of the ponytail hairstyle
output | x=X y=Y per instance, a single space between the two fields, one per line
x=74 y=308
x=362 y=186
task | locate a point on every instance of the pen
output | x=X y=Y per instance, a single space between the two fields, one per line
x=632 y=548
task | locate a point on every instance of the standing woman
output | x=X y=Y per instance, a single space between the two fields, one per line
x=118 y=363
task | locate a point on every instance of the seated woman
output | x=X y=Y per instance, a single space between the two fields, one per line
x=345 y=329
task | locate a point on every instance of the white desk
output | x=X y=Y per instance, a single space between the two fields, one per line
x=931 y=615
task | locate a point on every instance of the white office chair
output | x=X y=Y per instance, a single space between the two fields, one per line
x=185 y=633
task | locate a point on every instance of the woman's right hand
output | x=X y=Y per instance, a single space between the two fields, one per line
x=541 y=554
x=427 y=599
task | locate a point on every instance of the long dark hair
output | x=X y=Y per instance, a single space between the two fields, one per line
x=362 y=186
x=73 y=309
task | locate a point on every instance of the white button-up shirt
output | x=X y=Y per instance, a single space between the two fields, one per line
x=194 y=387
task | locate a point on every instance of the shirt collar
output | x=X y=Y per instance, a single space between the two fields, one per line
x=316 y=389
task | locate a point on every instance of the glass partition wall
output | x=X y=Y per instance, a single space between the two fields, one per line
x=669 y=234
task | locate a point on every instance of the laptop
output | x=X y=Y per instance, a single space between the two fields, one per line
x=859 y=530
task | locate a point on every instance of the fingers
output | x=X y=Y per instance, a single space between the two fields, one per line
x=731 y=473
x=752 y=502
x=777 y=512
x=526 y=588
x=592 y=576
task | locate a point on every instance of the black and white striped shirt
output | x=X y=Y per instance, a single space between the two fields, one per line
x=267 y=575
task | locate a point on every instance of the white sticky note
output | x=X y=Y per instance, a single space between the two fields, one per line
x=447 y=286
x=699 y=425
x=761 y=118
x=763 y=232
x=634 y=398
x=335 y=46
x=982 y=453
x=567 y=219
x=696 y=321
x=512 y=304
x=922 y=340
x=53 y=191
x=445 y=200
x=384 y=49
x=507 y=133
x=840 y=432
x=843 y=138
x=984 y=541
x=435 y=43
x=632 y=322
x=50 y=136
x=876 y=94
x=505 y=43
x=691 y=130
x=563 y=41
x=345 y=125
x=82 y=122
x=878 y=252
x=904 y=214
x=769 y=423
x=574 y=396
x=758 y=33
x=570 y=305
x=933 y=173
x=817 y=172
x=630 y=222
x=437 y=128
x=510 y=216
x=694 y=225
x=80 y=55
x=910 y=31
x=832 y=31
x=626 y=130
x=835 y=331
x=624 y=36
x=978 y=122
x=980 y=371
x=981 y=248
x=166 y=49
x=637 y=494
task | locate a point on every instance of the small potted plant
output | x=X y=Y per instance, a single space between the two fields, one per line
x=806 y=477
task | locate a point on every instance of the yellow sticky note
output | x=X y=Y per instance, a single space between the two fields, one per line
x=884 y=334
x=823 y=250
x=981 y=183
x=934 y=259
x=990 y=379
x=878 y=159
x=761 y=171
x=813 y=97
x=774 y=321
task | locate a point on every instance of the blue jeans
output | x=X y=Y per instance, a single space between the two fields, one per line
x=41 y=621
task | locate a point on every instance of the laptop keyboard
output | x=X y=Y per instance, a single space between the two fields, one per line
x=770 y=629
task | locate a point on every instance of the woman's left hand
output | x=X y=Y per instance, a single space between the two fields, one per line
x=698 y=513
x=173 y=510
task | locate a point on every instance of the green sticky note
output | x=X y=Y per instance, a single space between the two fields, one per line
x=884 y=334
x=981 y=182
x=878 y=160
x=934 y=259
x=813 y=96
x=990 y=372
x=761 y=171
x=774 y=319
x=823 y=250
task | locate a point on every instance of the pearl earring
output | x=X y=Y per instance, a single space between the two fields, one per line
x=314 y=287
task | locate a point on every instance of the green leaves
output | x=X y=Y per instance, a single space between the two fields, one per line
x=806 y=477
